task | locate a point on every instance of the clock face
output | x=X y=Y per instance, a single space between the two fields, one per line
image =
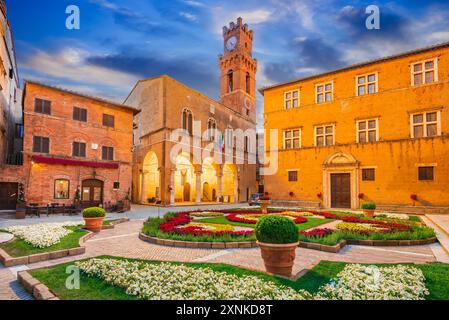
x=231 y=43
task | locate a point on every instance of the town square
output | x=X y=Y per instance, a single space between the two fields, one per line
x=309 y=161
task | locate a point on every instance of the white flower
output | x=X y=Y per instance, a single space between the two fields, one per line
x=42 y=235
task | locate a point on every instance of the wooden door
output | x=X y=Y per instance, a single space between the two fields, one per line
x=187 y=192
x=341 y=190
x=92 y=193
x=8 y=195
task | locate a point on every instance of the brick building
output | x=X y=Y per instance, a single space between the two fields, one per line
x=11 y=131
x=167 y=105
x=374 y=131
x=75 y=142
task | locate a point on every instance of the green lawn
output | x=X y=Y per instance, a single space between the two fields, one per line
x=312 y=222
x=437 y=280
x=19 y=248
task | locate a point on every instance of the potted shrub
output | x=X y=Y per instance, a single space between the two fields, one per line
x=368 y=209
x=277 y=237
x=21 y=203
x=264 y=201
x=93 y=218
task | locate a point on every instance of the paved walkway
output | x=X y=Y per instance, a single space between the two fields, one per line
x=123 y=241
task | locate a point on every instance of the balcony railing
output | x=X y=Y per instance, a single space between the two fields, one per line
x=14 y=159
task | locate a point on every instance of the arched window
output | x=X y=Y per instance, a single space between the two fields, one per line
x=211 y=127
x=230 y=81
x=248 y=83
x=187 y=121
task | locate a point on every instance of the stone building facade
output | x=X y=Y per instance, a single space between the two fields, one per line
x=75 y=144
x=376 y=131
x=167 y=105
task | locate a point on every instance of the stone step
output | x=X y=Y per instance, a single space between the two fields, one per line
x=442 y=234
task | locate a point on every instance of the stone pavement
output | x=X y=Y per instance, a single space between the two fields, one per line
x=123 y=241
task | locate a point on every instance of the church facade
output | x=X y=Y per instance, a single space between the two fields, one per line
x=161 y=176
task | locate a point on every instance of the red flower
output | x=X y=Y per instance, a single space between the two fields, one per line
x=414 y=197
x=361 y=196
x=317 y=233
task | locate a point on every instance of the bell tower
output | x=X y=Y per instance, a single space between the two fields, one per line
x=238 y=70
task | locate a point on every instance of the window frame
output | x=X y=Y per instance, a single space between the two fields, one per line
x=424 y=71
x=292 y=171
x=367 y=83
x=107 y=117
x=41 y=139
x=366 y=178
x=68 y=189
x=324 y=135
x=80 y=119
x=367 y=130
x=80 y=143
x=108 y=153
x=292 y=138
x=426 y=179
x=42 y=106
x=425 y=123
x=211 y=129
x=187 y=120
x=292 y=99
x=324 y=92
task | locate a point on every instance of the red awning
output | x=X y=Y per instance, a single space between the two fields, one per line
x=70 y=162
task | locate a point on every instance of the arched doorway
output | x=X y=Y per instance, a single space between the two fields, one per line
x=184 y=178
x=207 y=193
x=150 y=187
x=92 y=193
x=209 y=180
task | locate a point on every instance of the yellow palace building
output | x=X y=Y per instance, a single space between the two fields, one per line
x=376 y=131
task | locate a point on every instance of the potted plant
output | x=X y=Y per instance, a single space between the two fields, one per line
x=368 y=209
x=277 y=237
x=93 y=218
x=21 y=203
x=265 y=201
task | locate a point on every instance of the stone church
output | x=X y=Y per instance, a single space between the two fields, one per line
x=167 y=105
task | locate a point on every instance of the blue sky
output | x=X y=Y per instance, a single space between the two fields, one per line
x=122 y=41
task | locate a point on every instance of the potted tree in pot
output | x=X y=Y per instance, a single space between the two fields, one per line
x=369 y=209
x=277 y=237
x=93 y=218
x=21 y=203
x=265 y=201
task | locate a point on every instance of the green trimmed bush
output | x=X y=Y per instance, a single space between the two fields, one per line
x=94 y=213
x=369 y=206
x=277 y=230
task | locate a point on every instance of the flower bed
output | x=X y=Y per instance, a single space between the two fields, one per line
x=206 y=214
x=357 y=282
x=253 y=218
x=166 y=281
x=42 y=235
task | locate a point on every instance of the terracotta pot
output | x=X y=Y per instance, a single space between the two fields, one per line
x=20 y=214
x=279 y=258
x=368 y=213
x=94 y=224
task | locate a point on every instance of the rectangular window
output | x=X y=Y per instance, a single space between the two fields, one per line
x=79 y=149
x=367 y=84
x=293 y=176
x=291 y=99
x=426 y=173
x=108 y=121
x=324 y=136
x=41 y=145
x=79 y=114
x=425 y=72
x=62 y=189
x=324 y=92
x=107 y=153
x=426 y=124
x=116 y=185
x=292 y=139
x=42 y=106
x=368 y=174
x=367 y=131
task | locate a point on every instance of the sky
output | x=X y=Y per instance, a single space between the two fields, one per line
x=120 y=42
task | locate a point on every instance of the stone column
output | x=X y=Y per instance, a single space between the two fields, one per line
x=172 y=187
x=143 y=189
x=198 y=173
x=220 y=184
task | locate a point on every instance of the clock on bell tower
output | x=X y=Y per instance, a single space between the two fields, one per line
x=238 y=70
